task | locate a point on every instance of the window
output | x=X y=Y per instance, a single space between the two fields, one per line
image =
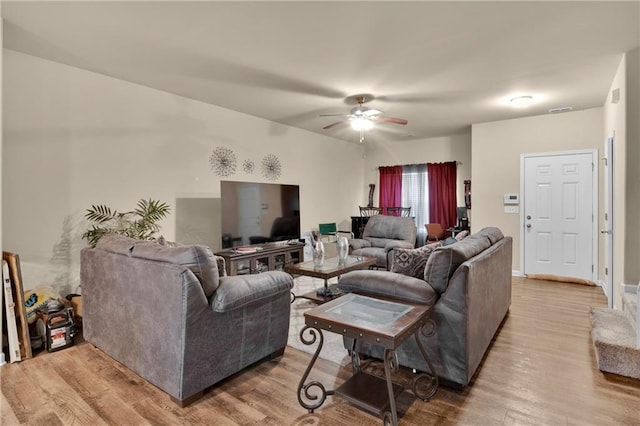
x=415 y=194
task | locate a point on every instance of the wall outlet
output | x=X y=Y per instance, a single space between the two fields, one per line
x=512 y=209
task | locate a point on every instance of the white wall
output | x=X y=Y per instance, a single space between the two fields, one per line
x=1 y=133
x=621 y=119
x=74 y=138
x=632 y=202
x=495 y=151
x=431 y=150
x=615 y=124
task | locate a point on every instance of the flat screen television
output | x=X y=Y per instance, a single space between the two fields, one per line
x=255 y=213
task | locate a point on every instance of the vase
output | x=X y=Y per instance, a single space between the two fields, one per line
x=318 y=254
x=343 y=249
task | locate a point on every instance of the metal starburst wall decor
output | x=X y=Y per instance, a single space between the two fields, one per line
x=271 y=167
x=248 y=166
x=223 y=161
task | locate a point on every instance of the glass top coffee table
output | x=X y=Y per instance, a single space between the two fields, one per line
x=332 y=267
x=378 y=321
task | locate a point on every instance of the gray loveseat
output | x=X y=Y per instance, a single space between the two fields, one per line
x=469 y=285
x=381 y=235
x=168 y=314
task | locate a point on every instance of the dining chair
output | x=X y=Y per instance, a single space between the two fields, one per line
x=435 y=232
x=370 y=211
x=399 y=211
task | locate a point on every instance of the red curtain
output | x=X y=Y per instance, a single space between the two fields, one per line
x=442 y=193
x=390 y=186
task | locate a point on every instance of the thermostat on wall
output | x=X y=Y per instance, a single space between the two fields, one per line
x=511 y=199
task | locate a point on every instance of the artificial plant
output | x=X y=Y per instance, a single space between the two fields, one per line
x=141 y=223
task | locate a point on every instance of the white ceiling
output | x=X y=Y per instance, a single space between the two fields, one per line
x=441 y=65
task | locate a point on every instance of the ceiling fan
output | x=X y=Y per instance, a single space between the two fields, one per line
x=362 y=118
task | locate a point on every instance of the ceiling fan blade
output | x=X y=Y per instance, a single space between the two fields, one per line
x=335 y=115
x=391 y=120
x=333 y=125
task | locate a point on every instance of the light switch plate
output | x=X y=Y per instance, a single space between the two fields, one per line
x=512 y=209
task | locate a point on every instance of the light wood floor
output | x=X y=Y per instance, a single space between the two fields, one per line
x=540 y=370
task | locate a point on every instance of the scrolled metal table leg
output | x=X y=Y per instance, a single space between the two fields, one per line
x=387 y=419
x=305 y=395
x=356 y=364
x=431 y=376
x=390 y=365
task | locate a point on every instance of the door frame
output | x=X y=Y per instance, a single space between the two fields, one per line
x=594 y=207
x=607 y=282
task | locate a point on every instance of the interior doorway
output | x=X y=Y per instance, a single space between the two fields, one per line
x=559 y=215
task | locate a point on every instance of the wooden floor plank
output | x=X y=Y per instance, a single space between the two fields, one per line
x=540 y=370
x=7 y=416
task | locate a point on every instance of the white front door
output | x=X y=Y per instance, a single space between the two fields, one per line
x=559 y=215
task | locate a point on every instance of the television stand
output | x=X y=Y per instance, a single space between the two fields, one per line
x=258 y=258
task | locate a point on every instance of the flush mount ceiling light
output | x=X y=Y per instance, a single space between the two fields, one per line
x=521 y=101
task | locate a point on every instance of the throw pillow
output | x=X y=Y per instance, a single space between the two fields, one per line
x=411 y=262
x=461 y=235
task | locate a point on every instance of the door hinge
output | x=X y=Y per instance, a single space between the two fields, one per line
x=593 y=166
x=606 y=216
x=606 y=271
x=592 y=268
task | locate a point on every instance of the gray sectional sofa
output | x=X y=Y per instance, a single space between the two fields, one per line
x=170 y=314
x=469 y=285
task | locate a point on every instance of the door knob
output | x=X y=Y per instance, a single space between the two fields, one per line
x=528 y=225
x=605 y=231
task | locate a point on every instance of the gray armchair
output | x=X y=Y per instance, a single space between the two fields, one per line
x=170 y=314
x=381 y=235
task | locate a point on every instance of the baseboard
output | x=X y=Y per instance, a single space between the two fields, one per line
x=517 y=273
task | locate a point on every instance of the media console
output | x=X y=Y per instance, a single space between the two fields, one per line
x=258 y=258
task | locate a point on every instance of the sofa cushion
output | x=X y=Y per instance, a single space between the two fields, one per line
x=448 y=241
x=381 y=228
x=494 y=234
x=199 y=259
x=411 y=262
x=118 y=244
x=388 y=284
x=445 y=260
x=378 y=253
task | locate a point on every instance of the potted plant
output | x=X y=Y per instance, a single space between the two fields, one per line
x=141 y=223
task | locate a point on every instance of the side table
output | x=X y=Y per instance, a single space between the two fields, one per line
x=378 y=321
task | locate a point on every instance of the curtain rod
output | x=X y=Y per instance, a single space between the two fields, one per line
x=420 y=164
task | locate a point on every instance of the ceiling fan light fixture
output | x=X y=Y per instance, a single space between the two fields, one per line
x=361 y=123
